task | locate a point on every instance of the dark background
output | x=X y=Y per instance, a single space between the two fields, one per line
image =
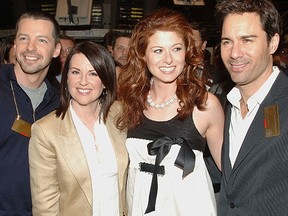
x=119 y=14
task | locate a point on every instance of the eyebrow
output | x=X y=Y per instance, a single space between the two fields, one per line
x=159 y=46
x=242 y=37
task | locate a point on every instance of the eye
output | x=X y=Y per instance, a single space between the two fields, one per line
x=22 y=38
x=246 y=40
x=94 y=73
x=225 y=42
x=41 y=40
x=73 y=71
x=176 y=49
x=158 y=51
x=119 y=48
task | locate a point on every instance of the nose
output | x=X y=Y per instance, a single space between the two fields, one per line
x=31 y=46
x=83 y=80
x=236 y=51
x=168 y=58
x=125 y=50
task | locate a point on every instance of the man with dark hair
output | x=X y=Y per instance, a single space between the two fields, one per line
x=26 y=96
x=255 y=150
x=108 y=39
x=120 y=47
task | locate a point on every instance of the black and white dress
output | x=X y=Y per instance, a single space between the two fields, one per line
x=183 y=185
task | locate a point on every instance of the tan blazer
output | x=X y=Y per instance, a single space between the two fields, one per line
x=60 y=178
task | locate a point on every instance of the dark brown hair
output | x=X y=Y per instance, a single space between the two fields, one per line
x=41 y=15
x=269 y=16
x=102 y=62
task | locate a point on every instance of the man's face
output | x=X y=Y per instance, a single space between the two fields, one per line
x=245 y=50
x=66 y=46
x=35 y=45
x=198 y=40
x=120 y=50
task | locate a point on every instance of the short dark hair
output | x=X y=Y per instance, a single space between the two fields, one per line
x=103 y=63
x=109 y=37
x=66 y=37
x=202 y=30
x=269 y=16
x=121 y=34
x=42 y=15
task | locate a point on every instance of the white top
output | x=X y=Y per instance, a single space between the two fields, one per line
x=238 y=125
x=102 y=165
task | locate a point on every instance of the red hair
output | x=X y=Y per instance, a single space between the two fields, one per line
x=134 y=79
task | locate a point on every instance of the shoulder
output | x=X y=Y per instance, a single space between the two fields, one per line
x=116 y=108
x=212 y=110
x=50 y=120
x=7 y=72
x=212 y=101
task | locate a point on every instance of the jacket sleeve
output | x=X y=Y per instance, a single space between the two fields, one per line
x=43 y=174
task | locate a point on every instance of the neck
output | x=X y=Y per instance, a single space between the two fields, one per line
x=87 y=114
x=32 y=81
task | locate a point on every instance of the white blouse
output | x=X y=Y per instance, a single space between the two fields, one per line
x=102 y=165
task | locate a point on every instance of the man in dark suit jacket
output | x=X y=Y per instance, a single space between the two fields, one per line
x=255 y=151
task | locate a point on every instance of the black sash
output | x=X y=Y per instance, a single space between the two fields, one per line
x=185 y=160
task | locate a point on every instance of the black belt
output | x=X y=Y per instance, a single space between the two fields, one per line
x=150 y=168
x=185 y=160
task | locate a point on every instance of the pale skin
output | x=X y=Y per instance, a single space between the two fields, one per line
x=85 y=88
x=165 y=58
x=247 y=54
x=34 y=47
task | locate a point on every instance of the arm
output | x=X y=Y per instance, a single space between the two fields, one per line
x=215 y=130
x=210 y=123
x=43 y=174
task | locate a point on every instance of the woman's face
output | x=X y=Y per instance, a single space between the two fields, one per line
x=84 y=84
x=165 y=56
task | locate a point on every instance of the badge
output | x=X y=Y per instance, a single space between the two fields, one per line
x=22 y=127
x=271 y=121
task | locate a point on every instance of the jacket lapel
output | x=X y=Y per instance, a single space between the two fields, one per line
x=226 y=163
x=72 y=150
x=256 y=131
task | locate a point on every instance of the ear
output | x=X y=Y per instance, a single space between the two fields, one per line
x=204 y=44
x=57 y=50
x=274 y=43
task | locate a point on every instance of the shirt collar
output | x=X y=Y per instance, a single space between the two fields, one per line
x=234 y=95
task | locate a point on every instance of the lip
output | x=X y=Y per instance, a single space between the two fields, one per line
x=238 y=67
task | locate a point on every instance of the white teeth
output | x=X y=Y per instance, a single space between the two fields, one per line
x=167 y=69
x=83 y=91
x=31 y=58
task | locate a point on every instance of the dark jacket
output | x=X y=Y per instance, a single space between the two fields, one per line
x=257 y=185
x=15 y=197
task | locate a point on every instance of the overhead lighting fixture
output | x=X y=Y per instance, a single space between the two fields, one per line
x=189 y=2
x=74 y=12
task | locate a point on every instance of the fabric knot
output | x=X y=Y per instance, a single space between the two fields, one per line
x=185 y=160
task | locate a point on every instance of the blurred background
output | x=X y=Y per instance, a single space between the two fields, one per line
x=91 y=19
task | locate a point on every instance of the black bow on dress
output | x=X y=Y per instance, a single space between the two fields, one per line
x=185 y=160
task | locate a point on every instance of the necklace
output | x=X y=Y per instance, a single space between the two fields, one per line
x=154 y=105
